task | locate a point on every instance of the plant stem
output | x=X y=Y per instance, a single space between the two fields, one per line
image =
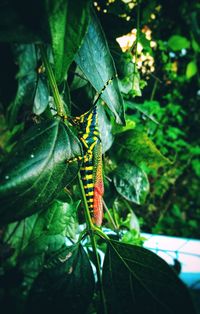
x=154 y=89
x=52 y=81
x=109 y=215
x=137 y=39
x=91 y=231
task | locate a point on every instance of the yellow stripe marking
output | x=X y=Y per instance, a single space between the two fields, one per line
x=88 y=168
x=88 y=186
x=88 y=124
x=88 y=177
x=90 y=193
x=90 y=201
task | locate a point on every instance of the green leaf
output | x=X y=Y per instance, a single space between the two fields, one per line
x=177 y=42
x=68 y=22
x=66 y=282
x=34 y=234
x=136 y=280
x=105 y=128
x=72 y=220
x=96 y=62
x=26 y=60
x=37 y=170
x=148 y=109
x=131 y=182
x=41 y=97
x=51 y=221
x=130 y=125
x=191 y=69
x=135 y=146
x=33 y=256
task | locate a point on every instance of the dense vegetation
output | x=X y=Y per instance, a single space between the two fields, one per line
x=55 y=57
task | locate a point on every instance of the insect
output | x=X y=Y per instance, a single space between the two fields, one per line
x=91 y=168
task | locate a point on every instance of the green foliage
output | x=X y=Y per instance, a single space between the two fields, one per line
x=134 y=269
x=57 y=287
x=36 y=170
x=96 y=62
x=191 y=69
x=177 y=42
x=131 y=182
x=68 y=22
x=58 y=55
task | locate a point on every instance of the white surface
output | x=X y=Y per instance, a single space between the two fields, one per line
x=186 y=251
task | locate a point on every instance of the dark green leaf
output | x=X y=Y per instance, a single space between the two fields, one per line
x=137 y=281
x=65 y=284
x=177 y=42
x=131 y=182
x=34 y=255
x=68 y=21
x=95 y=61
x=41 y=97
x=37 y=170
x=135 y=146
x=26 y=60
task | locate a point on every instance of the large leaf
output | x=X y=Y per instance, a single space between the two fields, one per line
x=72 y=225
x=65 y=284
x=135 y=146
x=105 y=128
x=52 y=221
x=137 y=281
x=48 y=222
x=95 y=61
x=68 y=21
x=26 y=60
x=131 y=182
x=37 y=170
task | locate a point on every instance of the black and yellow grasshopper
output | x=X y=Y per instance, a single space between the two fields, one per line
x=91 y=168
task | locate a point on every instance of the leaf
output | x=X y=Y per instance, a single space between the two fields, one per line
x=130 y=125
x=131 y=182
x=96 y=62
x=25 y=56
x=41 y=97
x=31 y=239
x=191 y=69
x=68 y=22
x=105 y=128
x=51 y=221
x=137 y=280
x=66 y=282
x=72 y=220
x=135 y=146
x=37 y=170
x=148 y=109
x=177 y=42
x=34 y=255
